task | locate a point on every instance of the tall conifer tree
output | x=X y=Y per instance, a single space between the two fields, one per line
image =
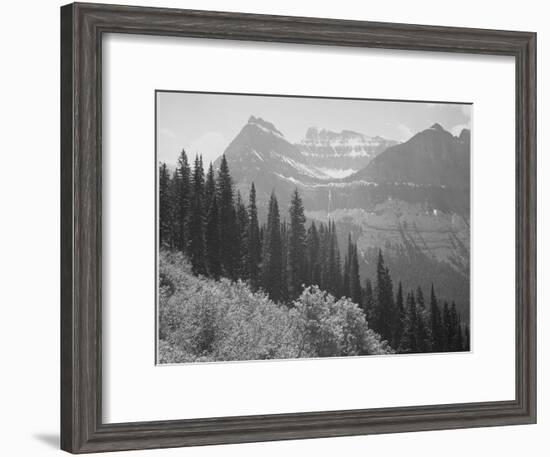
x=166 y=219
x=253 y=240
x=423 y=336
x=436 y=323
x=228 y=223
x=272 y=266
x=323 y=257
x=337 y=288
x=410 y=332
x=401 y=315
x=454 y=327
x=447 y=330
x=313 y=246
x=285 y=297
x=296 y=246
x=368 y=301
x=209 y=186
x=196 y=221
x=346 y=270
x=384 y=315
x=182 y=197
x=212 y=237
x=354 y=279
x=242 y=236
x=334 y=273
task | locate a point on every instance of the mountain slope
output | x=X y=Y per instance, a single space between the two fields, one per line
x=261 y=154
x=411 y=199
x=433 y=157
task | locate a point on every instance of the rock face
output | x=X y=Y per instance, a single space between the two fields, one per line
x=260 y=154
x=340 y=154
x=433 y=157
x=411 y=199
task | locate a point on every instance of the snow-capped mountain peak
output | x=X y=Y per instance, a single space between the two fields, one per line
x=329 y=137
x=340 y=153
x=264 y=125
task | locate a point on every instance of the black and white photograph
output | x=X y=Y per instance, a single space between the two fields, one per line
x=299 y=227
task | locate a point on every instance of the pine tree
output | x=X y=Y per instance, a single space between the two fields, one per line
x=242 y=238
x=400 y=311
x=334 y=273
x=166 y=214
x=296 y=246
x=436 y=323
x=253 y=240
x=354 y=279
x=313 y=246
x=175 y=234
x=423 y=335
x=228 y=223
x=323 y=257
x=447 y=330
x=368 y=300
x=346 y=269
x=351 y=282
x=272 y=255
x=409 y=339
x=285 y=297
x=454 y=338
x=209 y=186
x=384 y=315
x=182 y=198
x=337 y=288
x=196 y=221
x=212 y=238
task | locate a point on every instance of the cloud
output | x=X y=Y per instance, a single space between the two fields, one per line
x=211 y=145
x=458 y=128
x=405 y=132
x=167 y=133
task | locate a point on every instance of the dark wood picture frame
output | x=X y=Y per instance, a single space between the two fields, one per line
x=82 y=29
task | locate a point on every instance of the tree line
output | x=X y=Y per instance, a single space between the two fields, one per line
x=203 y=217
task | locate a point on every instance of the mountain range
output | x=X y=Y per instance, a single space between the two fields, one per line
x=412 y=198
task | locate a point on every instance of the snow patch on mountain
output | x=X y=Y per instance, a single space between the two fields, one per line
x=257 y=155
x=353 y=152
x=302 y=168
x=337 y=185
x=337 y=173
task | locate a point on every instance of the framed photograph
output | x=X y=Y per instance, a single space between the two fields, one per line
x=283 y=227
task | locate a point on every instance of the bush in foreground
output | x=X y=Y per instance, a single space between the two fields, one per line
x=205 y=320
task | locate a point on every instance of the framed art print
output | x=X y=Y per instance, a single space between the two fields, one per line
x=279 y=227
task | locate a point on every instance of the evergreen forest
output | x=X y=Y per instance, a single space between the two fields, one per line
x=233 y=287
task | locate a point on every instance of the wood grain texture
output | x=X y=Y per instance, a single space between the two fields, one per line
x=82 y=28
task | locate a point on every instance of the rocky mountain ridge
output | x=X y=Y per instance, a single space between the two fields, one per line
x=412 y=199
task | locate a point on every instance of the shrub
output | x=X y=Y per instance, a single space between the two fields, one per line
x=201 y=319
x=333 y=328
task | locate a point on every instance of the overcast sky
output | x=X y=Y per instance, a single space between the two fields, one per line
x=207 y=123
